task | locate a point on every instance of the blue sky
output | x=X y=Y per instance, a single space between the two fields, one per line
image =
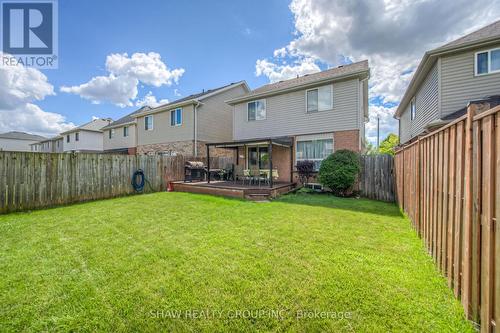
x=215 y=42
x=126 y=53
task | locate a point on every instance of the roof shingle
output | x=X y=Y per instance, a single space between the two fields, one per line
x=21 y=136
x=329 y=74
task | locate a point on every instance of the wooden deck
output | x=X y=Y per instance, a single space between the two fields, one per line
x=235 y=190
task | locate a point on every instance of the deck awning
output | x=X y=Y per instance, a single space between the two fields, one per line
x=284 y=141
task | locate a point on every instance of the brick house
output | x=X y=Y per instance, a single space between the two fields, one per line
x=184 y=126
x=305 y=118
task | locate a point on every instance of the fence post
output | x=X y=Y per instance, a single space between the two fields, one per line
x=467 y=221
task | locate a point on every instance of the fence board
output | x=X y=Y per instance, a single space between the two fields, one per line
x=36 y=180
x=377 y=172
x=448 y=183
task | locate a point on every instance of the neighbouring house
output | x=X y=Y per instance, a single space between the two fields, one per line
x=448 y=79
x=121 y=135
x=85 y=138
x=305 y=118
x=18 y=141
x=184 y=126
x=50 y=145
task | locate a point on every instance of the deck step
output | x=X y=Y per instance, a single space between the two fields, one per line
x=258 y=196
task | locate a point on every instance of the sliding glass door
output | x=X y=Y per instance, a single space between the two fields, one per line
x=258 y=157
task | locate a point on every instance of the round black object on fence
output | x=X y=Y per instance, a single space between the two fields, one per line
x=138 y=180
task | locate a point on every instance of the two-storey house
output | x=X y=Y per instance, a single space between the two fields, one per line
x=305 y=118
x=121 y=135
x=184 y=126
x=85 y=138
x=448 y=79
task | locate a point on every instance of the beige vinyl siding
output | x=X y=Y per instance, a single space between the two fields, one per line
x=405 y=126
x=118 y=141
x=215 y=116
x=162 y=132
x=426 y=100
x=286 y=114
x=460 y=85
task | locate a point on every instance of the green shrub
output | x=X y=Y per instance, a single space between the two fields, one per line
x=339 y=172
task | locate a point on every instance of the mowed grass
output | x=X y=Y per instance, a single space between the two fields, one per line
x=302 y=263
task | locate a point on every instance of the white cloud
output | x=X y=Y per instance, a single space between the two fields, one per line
x=119 y=90
x=120 y=87
x=30 y=118
x=20 y=87
x=150 y=100
x=392 y=34
x=387 y=122
x=147 y=68
x=283 y=72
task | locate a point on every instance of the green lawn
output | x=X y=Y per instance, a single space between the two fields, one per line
x=135 y=263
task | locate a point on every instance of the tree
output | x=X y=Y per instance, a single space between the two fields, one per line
x=388 y=144
x=370 y=149
x=339 y=171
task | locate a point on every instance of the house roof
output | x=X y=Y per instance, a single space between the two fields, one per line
x=21 y=136
x=129 y=118
x=491 y=100
x=57 y=137
x=94 y=125
x=484 y=36
x=491 y=30
x=332 y=74
x=193 y=98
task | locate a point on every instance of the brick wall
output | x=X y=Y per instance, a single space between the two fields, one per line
x=346 y=140
x=281 y=161
x=184 y=148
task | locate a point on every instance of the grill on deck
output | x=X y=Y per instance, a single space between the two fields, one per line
x=194 y=170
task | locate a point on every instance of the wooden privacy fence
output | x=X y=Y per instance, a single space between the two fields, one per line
x=377 y=177
x=36 y=180
x=448 y=183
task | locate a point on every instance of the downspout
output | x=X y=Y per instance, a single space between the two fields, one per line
x=195 y=136
x=362 y=118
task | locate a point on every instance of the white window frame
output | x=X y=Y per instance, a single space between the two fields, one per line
x=175 y=117
x=125 y=131
x=317 y=88
x=413 y=105
x=265 y=110
x=77 y=136
x=489 y=62
x=146 y=122
x=312 y=138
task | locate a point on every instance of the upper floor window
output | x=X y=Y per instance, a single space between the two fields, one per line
x=148 y=123
x=256 y=110
x=487 y=62
x=67 y=138
x=319 y=99
x=176 y=117
x=111 y=133
x=77 y=136
x=125 y=131
x=413 y=109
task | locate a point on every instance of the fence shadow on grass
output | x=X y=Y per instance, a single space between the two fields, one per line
x=361 y=205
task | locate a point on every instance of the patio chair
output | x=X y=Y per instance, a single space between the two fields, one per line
x=259 y=176
x=247 y=176
x=237 y=173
